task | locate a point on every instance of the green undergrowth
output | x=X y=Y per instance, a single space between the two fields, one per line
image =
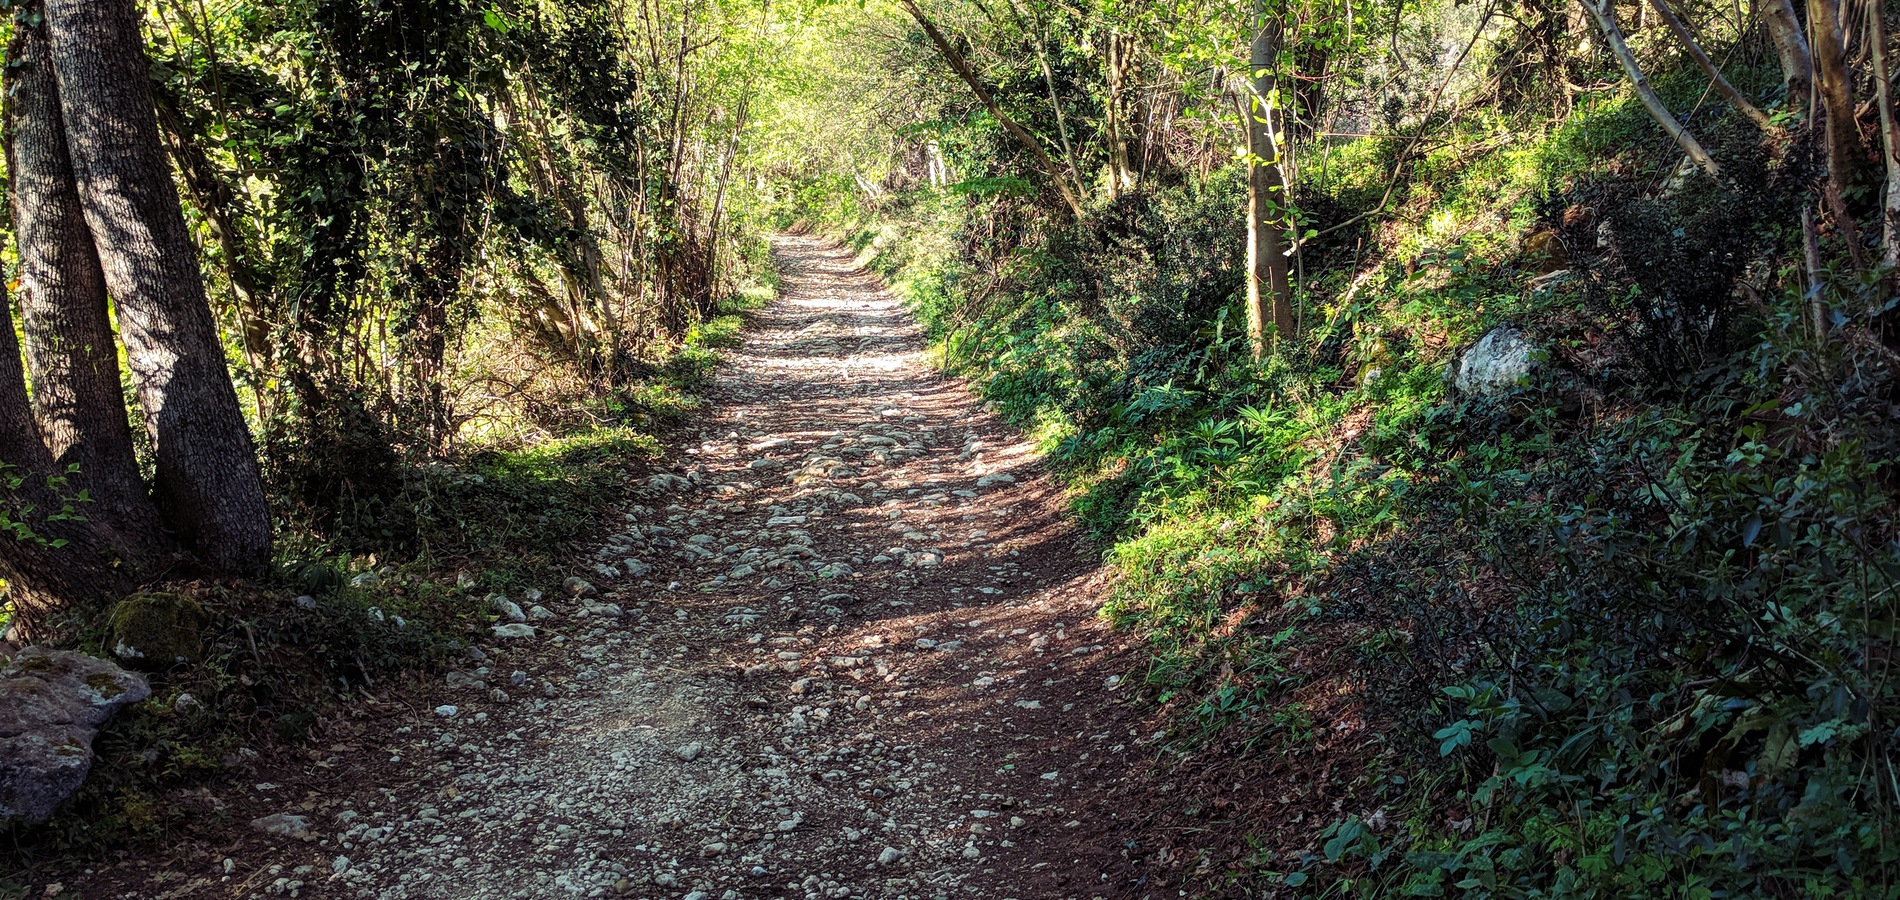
x=386 y=600
x=1623 y=632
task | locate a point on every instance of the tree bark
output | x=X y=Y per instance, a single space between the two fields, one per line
x=1120 y=177
x=1022 y=136
x=1837 y=90
x=1889 y=138
x=207 y=484
x=52 y=558
x=1605 y=17
x=1791 y=47
x=1269 y=291
x=1843 y=127
x=223 y=211
x=1817 y=286
x=70 y=348
x=1707 y=65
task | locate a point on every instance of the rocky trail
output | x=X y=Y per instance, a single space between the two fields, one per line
x=844 y=646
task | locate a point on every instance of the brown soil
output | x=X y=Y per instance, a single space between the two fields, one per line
x=947 y=718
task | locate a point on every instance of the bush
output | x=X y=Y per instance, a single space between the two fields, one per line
x=1632 y=622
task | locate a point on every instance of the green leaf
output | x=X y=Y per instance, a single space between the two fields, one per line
x=1819 y=734
x=1457 y=734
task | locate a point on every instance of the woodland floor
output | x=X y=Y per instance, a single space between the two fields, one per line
x=865 y=663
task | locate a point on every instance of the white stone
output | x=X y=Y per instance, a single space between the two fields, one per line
x=1498 y=364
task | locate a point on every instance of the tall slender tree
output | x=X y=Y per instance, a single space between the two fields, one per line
x=1604 y=12
x=1269 y=289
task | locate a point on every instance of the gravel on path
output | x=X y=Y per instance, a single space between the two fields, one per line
x=844 y=647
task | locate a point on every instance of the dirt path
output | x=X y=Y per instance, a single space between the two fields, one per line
x=858 y=658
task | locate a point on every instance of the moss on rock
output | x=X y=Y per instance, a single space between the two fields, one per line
x=158 y=630
x=107 y=686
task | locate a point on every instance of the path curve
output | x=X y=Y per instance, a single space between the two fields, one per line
x=859 y=658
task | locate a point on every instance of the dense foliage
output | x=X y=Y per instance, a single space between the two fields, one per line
x=465 y=261
x=1620 y=626
x=1622 y=630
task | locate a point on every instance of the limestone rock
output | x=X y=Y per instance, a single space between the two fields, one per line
x=505 y=608
x=284 y=825
x=665 y=482
x=1497 y=364
x=52 y=703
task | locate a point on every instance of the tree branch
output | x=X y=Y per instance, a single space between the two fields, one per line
x=1606 y=22
x=1022 y=135
x=1722 y=84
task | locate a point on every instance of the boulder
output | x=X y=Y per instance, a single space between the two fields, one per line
x=157 y=630
x=52 y=703
x=1497 y=365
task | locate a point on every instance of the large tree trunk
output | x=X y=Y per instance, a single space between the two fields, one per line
x=1837 y=89
x=1269 y=290
x=208 y=484
x=52 y=557
x=70 y=348
x=224 y=212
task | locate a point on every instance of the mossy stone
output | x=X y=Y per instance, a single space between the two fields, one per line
x=103 y=682
x=158 y=630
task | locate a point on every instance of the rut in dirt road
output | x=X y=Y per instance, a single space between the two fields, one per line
x=856 y=656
